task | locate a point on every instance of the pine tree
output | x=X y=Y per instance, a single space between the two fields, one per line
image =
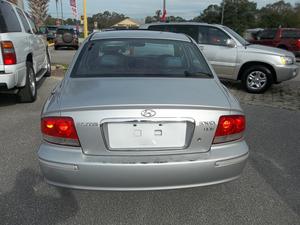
x=38 y=10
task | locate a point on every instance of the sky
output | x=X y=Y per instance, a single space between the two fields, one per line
x=139 y=9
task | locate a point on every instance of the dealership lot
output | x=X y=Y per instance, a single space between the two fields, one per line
x=267 y=193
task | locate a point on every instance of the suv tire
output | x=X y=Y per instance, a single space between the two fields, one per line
x=28 y=92
x=257 y=79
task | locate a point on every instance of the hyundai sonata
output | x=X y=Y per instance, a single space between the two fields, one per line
x=141 y=110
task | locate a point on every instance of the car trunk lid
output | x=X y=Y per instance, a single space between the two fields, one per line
x=111 y=114
x=83 y=93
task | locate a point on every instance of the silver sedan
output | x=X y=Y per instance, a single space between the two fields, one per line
x=141 y=110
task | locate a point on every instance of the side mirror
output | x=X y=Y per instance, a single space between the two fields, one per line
x=230 y=43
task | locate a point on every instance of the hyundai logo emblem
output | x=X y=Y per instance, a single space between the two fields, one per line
x=148 y=113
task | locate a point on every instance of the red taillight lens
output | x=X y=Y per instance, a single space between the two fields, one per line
x=59 y=130
x=230 y=128
x=8 y=53
x=298 y=43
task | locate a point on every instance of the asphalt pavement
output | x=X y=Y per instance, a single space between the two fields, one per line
x=62 y=56
x=267 y=193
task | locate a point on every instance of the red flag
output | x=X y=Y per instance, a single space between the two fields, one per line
x=73 y=7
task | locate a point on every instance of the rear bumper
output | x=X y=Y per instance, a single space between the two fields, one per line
x=286 y=72
x=7 y=81
x=13 y=77
x=72 y=169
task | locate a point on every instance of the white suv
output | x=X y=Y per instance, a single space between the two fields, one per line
x=24 y=56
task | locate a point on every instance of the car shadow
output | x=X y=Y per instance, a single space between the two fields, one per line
x=25 y=205
x=7 y=99
x=66 y=48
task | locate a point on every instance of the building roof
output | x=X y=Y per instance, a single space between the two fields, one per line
x=127 y=23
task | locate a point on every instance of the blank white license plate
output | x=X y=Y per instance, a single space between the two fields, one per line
x=146 y=135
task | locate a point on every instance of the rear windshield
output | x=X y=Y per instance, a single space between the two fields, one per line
x=290 y=34
x=8 y=19
x=140 y=57
x=52 y=29
x=62 y=31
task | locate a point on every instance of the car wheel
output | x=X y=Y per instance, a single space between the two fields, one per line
x=55 y=47
x=48 y=66
x=257 y=79
x=28 y=93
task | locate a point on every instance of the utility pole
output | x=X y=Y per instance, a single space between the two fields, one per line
x=223 y=6
x=85 y=24
x=62 y=14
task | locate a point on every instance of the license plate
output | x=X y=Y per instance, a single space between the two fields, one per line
x=146 y=135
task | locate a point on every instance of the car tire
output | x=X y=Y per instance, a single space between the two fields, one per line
x=257 y=79
x=28 y=92
x=48 y=73
x=55 y=47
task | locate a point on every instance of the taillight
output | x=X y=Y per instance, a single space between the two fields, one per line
x=230 y=128
x=59 y=130
x=298 y=43
x=8 y=53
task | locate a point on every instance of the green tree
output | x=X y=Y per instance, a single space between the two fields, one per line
x=105 y=19
x=175 y=19
x=279 y=14
x=212 y=14
x=240 y=14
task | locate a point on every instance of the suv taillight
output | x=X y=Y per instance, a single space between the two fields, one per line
x=298 y=43
x=8 y=53
x=230 y=128
x=59 y=130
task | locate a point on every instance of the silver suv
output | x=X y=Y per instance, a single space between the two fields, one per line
x=232 y=57
x=24 y=56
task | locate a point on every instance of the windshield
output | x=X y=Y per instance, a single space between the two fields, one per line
x=236 y=36
x=141 y=57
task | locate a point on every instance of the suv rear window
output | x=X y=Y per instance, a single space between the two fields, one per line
x=63 y=31
x=140 y=57
x=8 y=19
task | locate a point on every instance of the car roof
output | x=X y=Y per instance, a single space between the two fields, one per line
x=147 y=25
x=139 y=34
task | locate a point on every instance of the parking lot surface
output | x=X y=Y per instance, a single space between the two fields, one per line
x=267 y=193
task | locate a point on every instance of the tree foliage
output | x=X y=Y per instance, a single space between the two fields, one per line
x=105 y=19
x=212 y=14
x=243 y=14
x=38 y=10
x=277 y=14
x=157 y=17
